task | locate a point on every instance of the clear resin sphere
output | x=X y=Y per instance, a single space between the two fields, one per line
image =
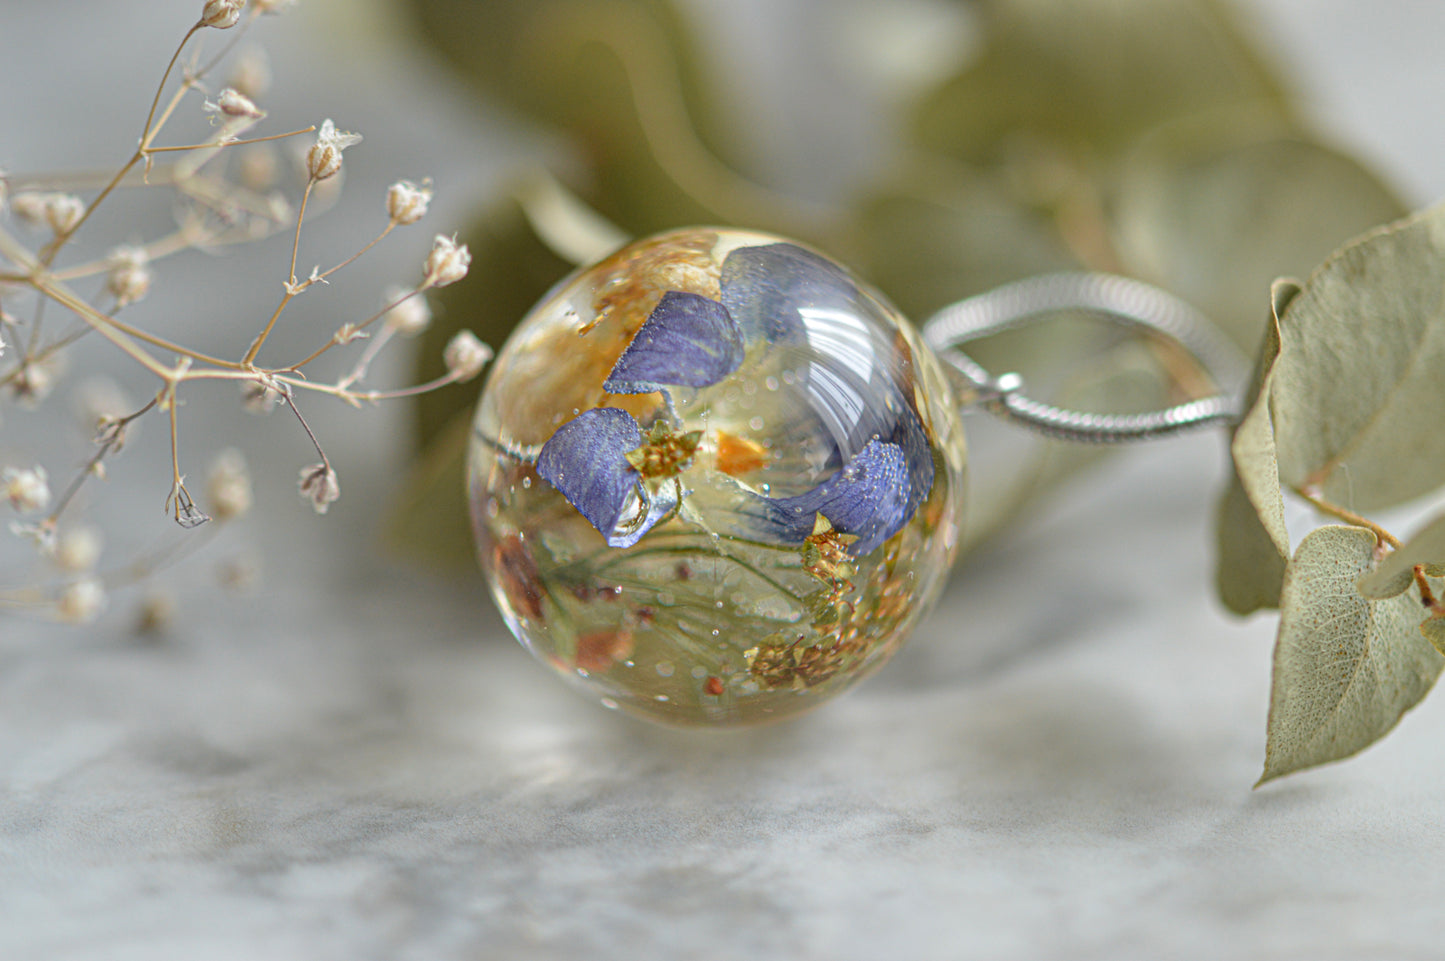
x=715 y=479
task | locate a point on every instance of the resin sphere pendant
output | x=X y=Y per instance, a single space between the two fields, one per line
x=715 y=479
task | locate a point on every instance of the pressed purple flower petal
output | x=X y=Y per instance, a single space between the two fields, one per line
x=585 y=461
x=763 y=287
x=868 y=497
x=687 y=341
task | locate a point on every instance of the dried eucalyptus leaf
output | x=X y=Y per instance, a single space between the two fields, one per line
x=1346 y=668
x=1215 y=210
x=625 y=80
x=1397 y=572
x=933 y=244
x=527 y=54
x=1252 y=541
x=1433 y=630
x=1358 y=383
x=1249 y=569
x=1085 y=77
x=427 y=522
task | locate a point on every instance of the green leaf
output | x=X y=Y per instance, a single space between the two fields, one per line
x=944 y=238
x=1434 y=631
x=1251 y=538
x=1085 y=77
x=1357 y=386
x=1346 y=668
x=1397 y=571
x=624 y=80
x=1213 y=210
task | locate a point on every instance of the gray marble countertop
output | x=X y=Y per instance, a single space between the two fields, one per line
x=354 y=761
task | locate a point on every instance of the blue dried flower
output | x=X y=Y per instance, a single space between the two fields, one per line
x=781 y=295
x=586 y=460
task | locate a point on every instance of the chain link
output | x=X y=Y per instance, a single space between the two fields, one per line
x=1116 y=299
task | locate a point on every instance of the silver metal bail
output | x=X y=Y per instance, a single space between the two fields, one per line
x=1120 y=300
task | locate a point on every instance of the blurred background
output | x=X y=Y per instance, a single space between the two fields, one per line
x=349 y=758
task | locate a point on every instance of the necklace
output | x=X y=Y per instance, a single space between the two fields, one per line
x=716 y=479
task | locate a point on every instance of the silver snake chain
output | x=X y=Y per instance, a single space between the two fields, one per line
x=1120 y=300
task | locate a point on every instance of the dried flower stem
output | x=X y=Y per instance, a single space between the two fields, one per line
x=231 y=143
x=1312 y=494
x=113 y=436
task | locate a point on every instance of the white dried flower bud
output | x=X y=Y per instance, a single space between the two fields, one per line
x=252 y=73
x=256 y=168
x=29 y=207
x=410 y=316
x=241 y=573
x=81 y=602
x=465 y=356
x=233 y=103
x=257 y=398
x=157 y=612
x=100 y=403
x=34 y=381
x=129 y=279
x=323 y=159
x=348 y=332
x=228 y=487
x=406 y=202
x=63 y=212
x=319 y=485
x=221 y=14
x=278 y=209
x=447 y=263
x=26 y=488
x=42 y=535
x=78 y=549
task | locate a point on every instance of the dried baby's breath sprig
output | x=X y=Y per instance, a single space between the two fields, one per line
x=219 y=204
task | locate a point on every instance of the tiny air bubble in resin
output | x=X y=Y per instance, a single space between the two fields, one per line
x=715 y=479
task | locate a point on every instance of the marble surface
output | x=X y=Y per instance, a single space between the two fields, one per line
x=355 y=762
